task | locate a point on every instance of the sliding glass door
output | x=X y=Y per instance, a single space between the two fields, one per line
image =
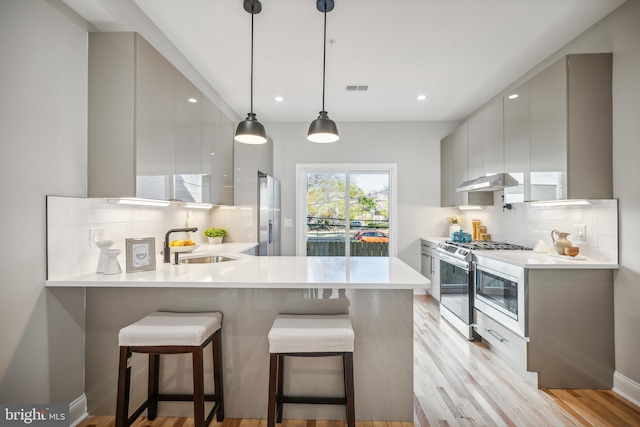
x=345 y=210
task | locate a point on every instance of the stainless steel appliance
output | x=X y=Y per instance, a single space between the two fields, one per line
x=456 y=287
x=268 y=215
x=500 y=293
x=458 y=277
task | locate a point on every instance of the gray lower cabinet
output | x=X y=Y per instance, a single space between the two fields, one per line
x=570 y=330
x=149 y=127
x=430 y=266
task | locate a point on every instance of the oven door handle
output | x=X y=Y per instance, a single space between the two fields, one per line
x=451 y=260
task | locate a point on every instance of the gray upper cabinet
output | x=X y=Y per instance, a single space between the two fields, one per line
x=446 y=170
x=189 y=179
x=475 y=146
x=517 y=142
x=459 y=170
x=571 y=129
x=217 y=155
x=486 y=142
x=454 y=170
x=492 y=125
x=151 y=131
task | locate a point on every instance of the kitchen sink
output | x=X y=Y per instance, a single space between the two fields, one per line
x=206 y=259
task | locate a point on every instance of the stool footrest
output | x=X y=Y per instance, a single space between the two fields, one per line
x=184 y=397
x=315 y=400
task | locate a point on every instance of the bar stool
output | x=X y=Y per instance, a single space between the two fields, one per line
x=309 y=336
x=171 y=333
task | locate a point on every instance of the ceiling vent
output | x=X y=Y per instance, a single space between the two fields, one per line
x=356 y=88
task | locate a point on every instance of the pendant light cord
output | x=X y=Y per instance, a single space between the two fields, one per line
x=251 y=103
x=324 y=55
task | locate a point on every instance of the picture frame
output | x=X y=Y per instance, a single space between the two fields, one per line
x=141 y=254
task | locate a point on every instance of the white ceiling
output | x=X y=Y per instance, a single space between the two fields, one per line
x=459 y=53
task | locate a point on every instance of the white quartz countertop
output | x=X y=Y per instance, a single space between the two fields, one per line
x=531 y=259
x=263 y=272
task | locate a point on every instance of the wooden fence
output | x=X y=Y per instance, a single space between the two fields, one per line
x=358 y=248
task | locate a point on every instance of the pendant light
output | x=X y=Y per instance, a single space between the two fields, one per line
x=323 y=129
x=251 y=131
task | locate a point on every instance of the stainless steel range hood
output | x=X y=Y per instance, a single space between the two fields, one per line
x=488 y=183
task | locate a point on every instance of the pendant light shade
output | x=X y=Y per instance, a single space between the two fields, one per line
x=323 y=129
x=251 y=131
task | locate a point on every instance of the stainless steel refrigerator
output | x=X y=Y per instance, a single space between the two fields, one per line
x=268 y=215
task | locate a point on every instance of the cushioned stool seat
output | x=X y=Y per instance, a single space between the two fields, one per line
x=171 y=333
x=310 y=336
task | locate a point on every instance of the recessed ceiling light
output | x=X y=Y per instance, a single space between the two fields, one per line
x=513 y=96
x=192 y=100
x=422 y=97
x=279 y=99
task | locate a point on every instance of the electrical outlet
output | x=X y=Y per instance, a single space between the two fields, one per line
x=580 y=231
x=96 y=234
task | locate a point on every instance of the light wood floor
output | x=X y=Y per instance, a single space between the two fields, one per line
x=461 y=383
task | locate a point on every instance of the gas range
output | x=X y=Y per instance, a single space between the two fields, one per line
x=488 y=245
x=463 y=250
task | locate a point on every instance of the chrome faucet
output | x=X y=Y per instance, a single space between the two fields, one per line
x=166 y=251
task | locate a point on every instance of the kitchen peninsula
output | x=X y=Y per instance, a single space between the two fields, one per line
x=250 y=292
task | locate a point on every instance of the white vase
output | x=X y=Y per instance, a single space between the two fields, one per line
x=452 y=229
x=215 y=240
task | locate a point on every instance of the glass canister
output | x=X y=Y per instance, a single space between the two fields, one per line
x=475 y=234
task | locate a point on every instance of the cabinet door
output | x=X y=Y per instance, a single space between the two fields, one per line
x=493 y=138
x=155 y=123
x=225 y=161
x=460 y=165
x=475 y=147
x=435 y=275
x=188 y=182
x=549 y=133
x=210 y=151
x=446 y=170
x=516 y=143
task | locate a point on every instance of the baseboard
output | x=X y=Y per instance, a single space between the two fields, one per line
x=627 y=388
x=78 y=411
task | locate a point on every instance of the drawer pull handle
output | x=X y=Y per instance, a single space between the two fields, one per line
x=496 y=335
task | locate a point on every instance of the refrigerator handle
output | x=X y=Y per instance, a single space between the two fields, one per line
x=270 y=230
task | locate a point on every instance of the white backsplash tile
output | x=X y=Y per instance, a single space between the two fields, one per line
x=70 y=219
x=526 y=225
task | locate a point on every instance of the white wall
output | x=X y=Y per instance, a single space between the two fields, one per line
x=43 y=150
x=413 y=146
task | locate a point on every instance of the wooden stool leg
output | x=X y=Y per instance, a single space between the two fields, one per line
x=217 y=373
x=280 y=389
x=124 y=382
x=198 y=389
x=349 y=389
x=152 y=387
x=273 y=375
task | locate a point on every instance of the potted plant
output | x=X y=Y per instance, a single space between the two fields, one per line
x=215 y=235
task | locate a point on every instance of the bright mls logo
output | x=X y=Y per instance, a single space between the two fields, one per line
x=34 y=415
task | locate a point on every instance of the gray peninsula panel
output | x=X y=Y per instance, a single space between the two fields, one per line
x=383 y=356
